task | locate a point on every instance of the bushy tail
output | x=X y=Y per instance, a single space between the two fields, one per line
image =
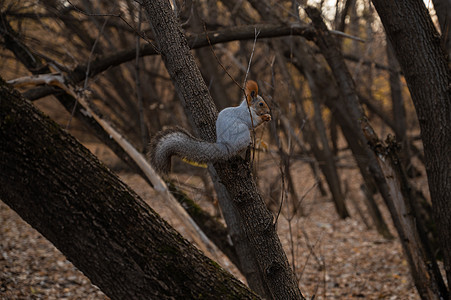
x=177 y=141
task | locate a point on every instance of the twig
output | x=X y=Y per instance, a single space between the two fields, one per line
x=311 y=249
x=116 y=16
x=282 y=193
x=252 y=55
x=217 y=58
x=305 y=195
x=352 y=37
x=138 y=85
x=85 y=85
x=293 y=260
x=256 y=33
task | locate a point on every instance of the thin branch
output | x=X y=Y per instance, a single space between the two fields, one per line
x=53 y=79
x=352 y=37
x=282 y=194
x=88 y=67
x=119 y=15
x=217 y=58
x=138 y=85
x=311 y=249
x=256 y=33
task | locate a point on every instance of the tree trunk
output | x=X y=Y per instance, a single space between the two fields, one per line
x=235 y=174
x=103 y=227
x=327 y=164
x=423 y=62
x=422 y=263
x=246 y=261
x=399 y=112
x=307 y=63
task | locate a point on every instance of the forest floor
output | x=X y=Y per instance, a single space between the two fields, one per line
x=333 y=258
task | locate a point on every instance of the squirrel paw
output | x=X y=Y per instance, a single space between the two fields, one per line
x=266 y=118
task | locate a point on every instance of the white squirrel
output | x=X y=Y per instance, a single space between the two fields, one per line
x=232 y=134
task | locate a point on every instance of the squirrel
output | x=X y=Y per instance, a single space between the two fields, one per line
x=232 y=134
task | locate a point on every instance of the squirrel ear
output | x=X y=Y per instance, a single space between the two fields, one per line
x=251 y=90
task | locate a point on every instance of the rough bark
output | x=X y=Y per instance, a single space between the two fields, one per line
x=248 y=261
x=235 y=174
x=103 y=227
x=423 y=62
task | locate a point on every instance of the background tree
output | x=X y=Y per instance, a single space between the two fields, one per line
x=428 y=78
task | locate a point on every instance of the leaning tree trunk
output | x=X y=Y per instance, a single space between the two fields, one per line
x=423 y=266
x=94 y=219
x=236 y=176
x=423 y=62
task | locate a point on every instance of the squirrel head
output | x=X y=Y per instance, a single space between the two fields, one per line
x=251 y=91
x=257 y=103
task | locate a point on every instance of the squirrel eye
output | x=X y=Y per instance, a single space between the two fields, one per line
x=261 y=104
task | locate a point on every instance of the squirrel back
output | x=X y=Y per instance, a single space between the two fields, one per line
x=232 y=134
